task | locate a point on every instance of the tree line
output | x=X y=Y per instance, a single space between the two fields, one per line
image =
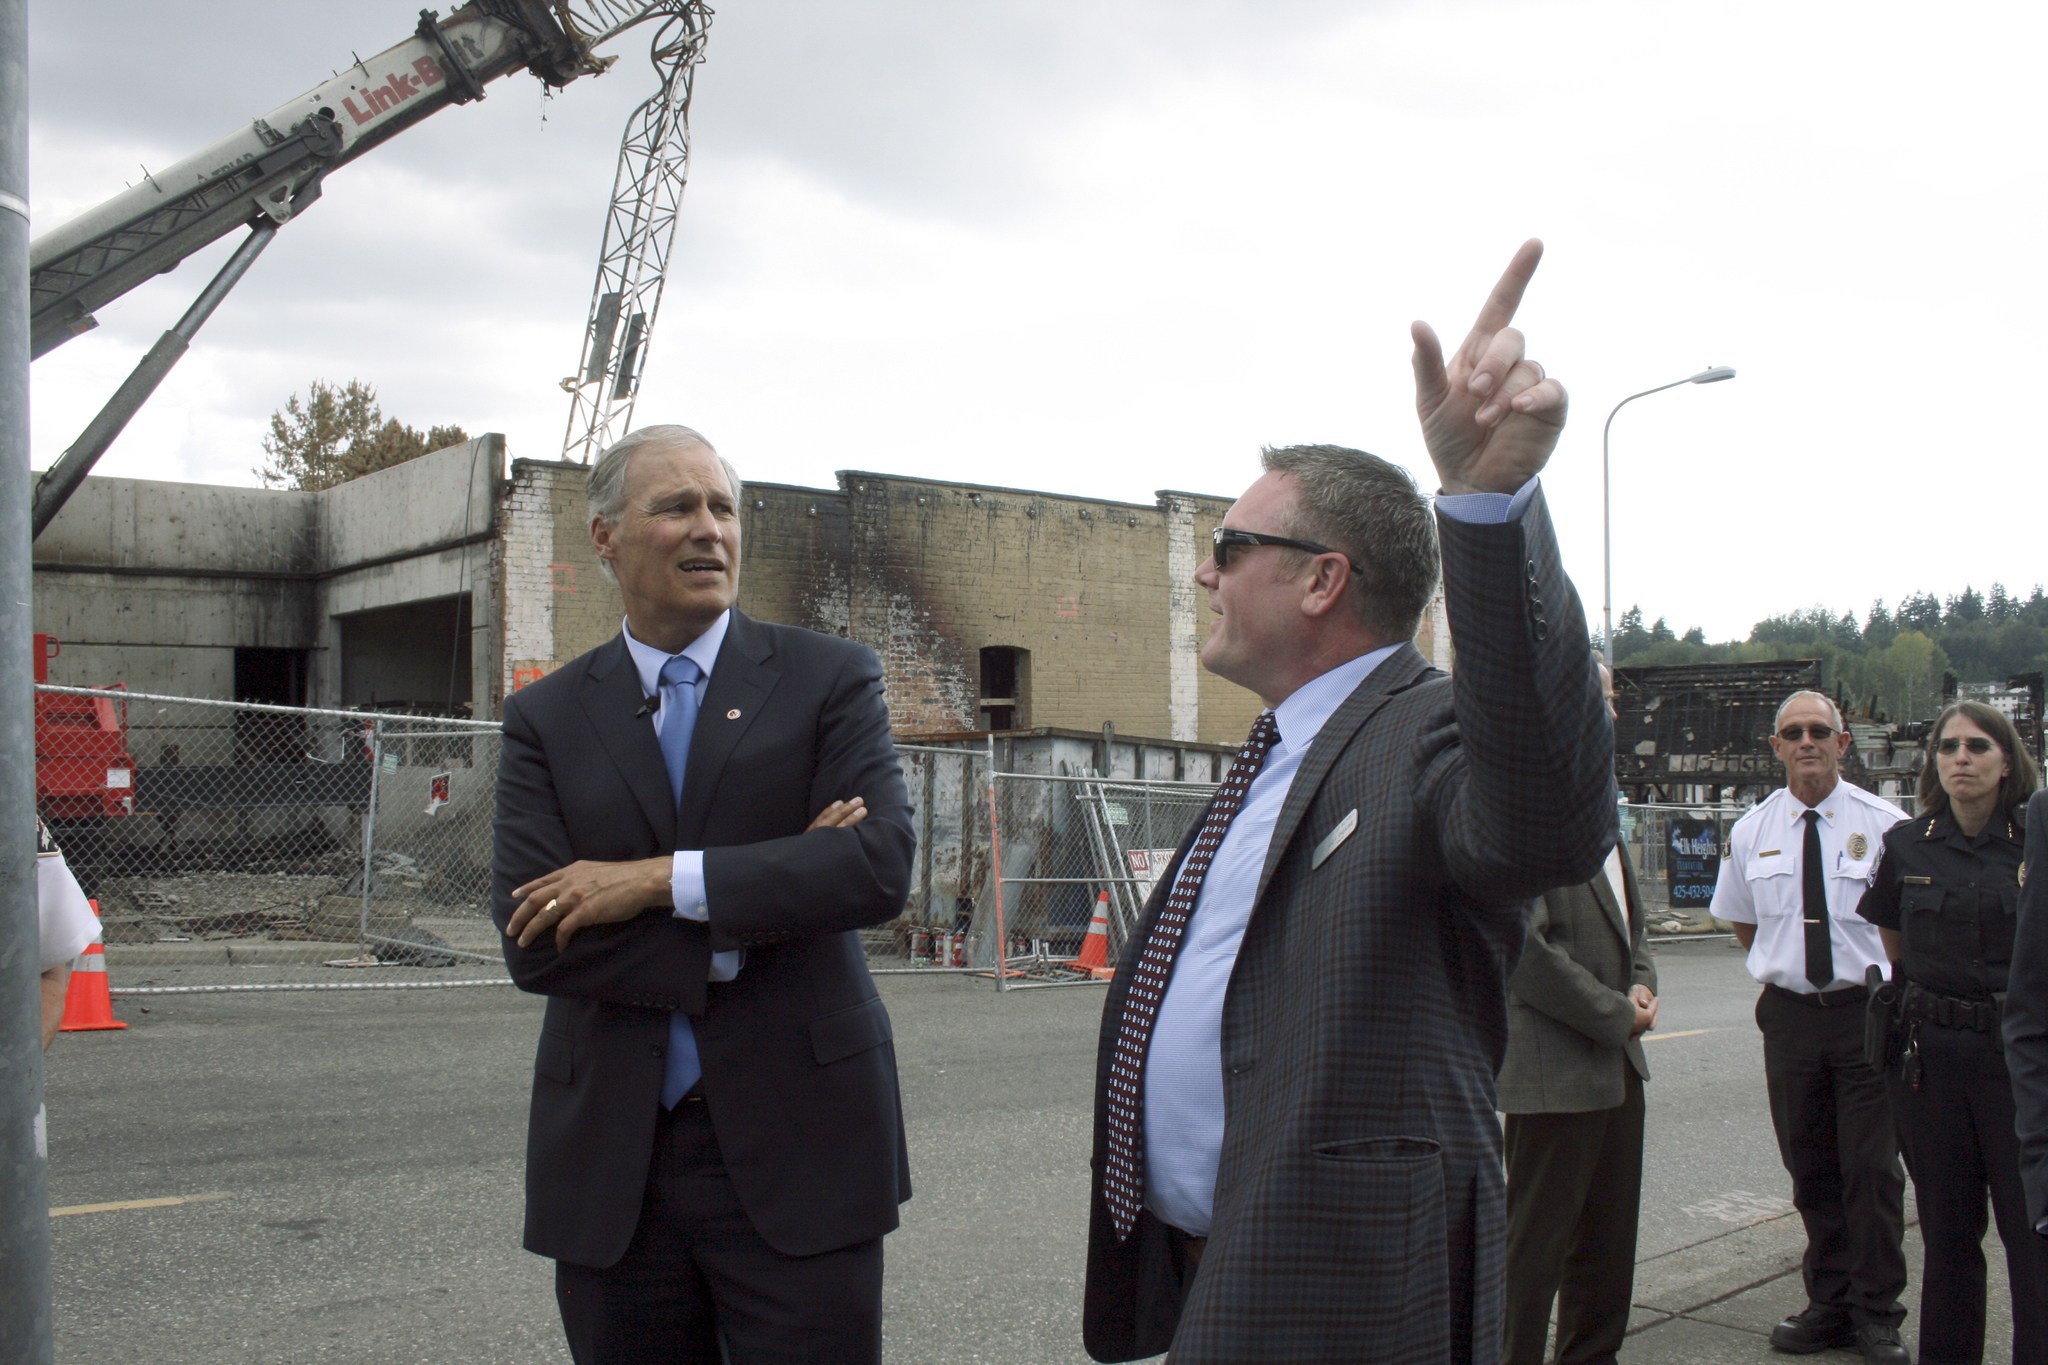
x=1890 y=664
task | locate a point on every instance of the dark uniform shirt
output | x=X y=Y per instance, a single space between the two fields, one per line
x=1952 y=898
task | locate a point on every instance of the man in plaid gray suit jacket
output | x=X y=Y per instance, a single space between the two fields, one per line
x=1318 y=1152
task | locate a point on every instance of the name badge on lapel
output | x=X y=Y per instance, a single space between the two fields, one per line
x=1333 y=840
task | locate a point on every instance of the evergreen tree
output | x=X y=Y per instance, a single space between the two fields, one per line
x=1919 y=611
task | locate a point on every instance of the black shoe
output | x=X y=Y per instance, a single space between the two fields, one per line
x=1815 y=1329
x=1880 y=1343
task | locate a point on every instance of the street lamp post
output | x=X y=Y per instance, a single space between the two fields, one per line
x=1713 y=375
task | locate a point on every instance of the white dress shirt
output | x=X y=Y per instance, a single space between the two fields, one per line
x=1762 y=882
x=686 y=870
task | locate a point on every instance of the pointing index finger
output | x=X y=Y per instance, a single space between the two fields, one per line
x=1500 y=306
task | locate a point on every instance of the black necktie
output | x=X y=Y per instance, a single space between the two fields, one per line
x=1820 y=948
x=1123 y=1176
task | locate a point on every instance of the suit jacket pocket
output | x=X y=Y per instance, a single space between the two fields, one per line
x=1381 y=1149
x=845 y=1032
x=1347 y=1245
x=556 y=1057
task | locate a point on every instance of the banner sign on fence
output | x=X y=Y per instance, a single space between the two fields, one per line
x=1695 y=861
x=1147 y=865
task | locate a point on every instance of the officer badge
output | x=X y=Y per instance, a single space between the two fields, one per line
x=1858 y=846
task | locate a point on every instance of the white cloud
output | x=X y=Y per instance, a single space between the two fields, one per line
x=1114 y=250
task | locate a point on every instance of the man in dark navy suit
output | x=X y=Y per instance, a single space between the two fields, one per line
x=693 y=821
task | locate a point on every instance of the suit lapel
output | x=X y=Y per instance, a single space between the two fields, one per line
x=741 y=680
x=611 y=699
x=1397 y=671
x=1615 y=912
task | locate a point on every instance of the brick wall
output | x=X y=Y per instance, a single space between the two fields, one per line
x=557 y=600
x=928 y=573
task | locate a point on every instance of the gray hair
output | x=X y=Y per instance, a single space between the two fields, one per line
x=1778 y=721
x=606 y=490
x=1370 y=510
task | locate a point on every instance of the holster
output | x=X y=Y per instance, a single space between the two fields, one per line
x=1882 y=1036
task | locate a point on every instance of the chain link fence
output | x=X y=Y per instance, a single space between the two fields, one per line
x=1013 y=868
x=243 y=846
x=1676 y=851
x=237 y=843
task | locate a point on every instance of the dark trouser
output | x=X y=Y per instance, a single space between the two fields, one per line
x=1835 y=1135
x=1575 y=1184
x=1957 y=1133
x=697 y=1275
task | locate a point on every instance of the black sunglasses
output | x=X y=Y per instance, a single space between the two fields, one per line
x=1791 y=733
x=1223 y=541
x=1976 y=744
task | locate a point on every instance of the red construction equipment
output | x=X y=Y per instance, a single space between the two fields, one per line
x=83 y=768
x=1094 y=958
x=87 y=1004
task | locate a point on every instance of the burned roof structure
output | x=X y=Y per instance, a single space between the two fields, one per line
x=1682 y=726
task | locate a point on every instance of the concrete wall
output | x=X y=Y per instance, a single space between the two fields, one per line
x=156 y=584
x=423 y=531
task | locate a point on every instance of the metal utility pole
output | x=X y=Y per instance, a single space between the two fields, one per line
x=1712 y=375
x=24 y=1169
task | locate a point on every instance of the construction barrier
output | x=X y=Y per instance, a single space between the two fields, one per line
x=1094 y=958
x=88 y=1007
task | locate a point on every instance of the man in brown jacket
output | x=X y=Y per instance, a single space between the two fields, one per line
x=1572 y=1090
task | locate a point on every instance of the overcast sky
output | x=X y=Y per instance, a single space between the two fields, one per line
x=1109 y=249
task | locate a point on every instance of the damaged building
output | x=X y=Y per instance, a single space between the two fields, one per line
x=443 y=583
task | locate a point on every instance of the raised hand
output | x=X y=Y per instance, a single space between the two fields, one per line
x=1491 y=417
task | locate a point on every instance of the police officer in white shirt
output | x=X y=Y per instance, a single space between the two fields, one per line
x=1797 y=866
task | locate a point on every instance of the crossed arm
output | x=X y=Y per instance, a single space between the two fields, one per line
x=586 y=893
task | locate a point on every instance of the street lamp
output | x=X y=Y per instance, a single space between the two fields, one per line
x=1713 y=375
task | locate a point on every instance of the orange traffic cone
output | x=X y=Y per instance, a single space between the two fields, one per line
x=1094 y=958
x=87 y=1005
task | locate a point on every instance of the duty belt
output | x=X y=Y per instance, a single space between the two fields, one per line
x=1948 y=1011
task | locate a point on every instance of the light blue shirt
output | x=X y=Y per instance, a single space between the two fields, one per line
x=1183 y=1120
x=686 y=871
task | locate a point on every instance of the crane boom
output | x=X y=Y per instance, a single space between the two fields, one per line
x=264 y=174
x=264 y=171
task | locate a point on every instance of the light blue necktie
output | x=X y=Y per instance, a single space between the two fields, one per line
x=678 y=715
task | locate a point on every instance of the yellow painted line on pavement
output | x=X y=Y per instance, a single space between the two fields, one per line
x=124 y=1204
x=1682 y=1033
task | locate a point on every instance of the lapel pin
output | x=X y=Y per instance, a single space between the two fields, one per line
x=733 y=714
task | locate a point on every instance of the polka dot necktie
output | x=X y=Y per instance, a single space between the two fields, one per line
x=1123 y=1179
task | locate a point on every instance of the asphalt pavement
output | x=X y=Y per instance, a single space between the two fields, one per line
x=335 y=1176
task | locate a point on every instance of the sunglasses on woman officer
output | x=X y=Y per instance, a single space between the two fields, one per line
x=1791 y=733
x=1976 y=744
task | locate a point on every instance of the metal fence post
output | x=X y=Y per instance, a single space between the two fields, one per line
x=376 y=728
x=995 y=870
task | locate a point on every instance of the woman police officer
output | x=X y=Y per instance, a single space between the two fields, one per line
x=1944 y=897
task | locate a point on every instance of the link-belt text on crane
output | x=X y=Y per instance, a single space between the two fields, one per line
x=396 y=90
